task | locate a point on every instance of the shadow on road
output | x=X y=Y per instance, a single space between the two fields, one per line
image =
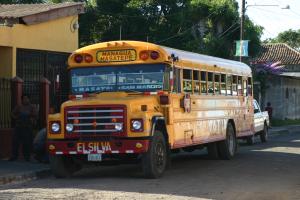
x=269 y=170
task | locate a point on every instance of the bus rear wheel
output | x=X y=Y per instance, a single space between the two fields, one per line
x=228 y=147
x=154 y=162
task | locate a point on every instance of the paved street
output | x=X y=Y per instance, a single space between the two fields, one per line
x=261 y=171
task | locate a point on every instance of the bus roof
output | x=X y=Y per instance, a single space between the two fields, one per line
x=196 y=58
x=232 y=65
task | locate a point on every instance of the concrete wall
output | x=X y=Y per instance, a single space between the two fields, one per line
x=284 y=95
x=6 y=61
x=56 y=35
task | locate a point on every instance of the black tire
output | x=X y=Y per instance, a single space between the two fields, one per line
x=228 y=147
x=264 y=134
x=155 y=161
x=250 y=140
x=212 y=150
x=63 y=167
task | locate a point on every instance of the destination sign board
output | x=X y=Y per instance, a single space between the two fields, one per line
x=123 y=55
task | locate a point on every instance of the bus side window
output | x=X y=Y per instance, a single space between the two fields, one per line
x=245 y=87
x=229 y=85
x=240 y=92
x=210 y=82
x=203 y=82
x=176 y=79
x=234 y=85
x=223 y=84
x=217 y=84
x=187 y=80
x=196 y=82
x=249 y=86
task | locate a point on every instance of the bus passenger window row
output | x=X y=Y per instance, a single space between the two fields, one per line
x=202 y=82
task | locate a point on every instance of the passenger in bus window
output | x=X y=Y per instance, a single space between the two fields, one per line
x=187 y=80
x=196 y=82
x=223 y=84
x=229 y=85
x=210 y=83
x=217 y=84
x=203 y=82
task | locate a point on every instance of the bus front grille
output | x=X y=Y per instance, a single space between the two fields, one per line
x=96 y=120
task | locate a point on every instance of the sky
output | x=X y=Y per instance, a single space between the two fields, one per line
x=273 y=18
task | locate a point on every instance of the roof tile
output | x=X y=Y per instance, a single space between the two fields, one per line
x=278 y=52
x=22 y=10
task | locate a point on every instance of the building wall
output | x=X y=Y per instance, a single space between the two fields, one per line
x=6 y=58
x=284 y=95
x=56 y=35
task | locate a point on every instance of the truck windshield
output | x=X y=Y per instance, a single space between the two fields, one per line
x=139 y=78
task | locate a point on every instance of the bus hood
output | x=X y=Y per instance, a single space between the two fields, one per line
x=132 y=101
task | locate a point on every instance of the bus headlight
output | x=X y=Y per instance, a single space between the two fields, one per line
x=55 y=127
x=69 y=127
x=118 y=126
x=137 y=125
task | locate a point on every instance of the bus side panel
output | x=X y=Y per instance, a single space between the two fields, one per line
x=208 y=119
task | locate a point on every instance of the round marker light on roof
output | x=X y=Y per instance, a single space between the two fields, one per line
x=88 y=58
x=154 y=55
x=144 y=55
x=78 y=58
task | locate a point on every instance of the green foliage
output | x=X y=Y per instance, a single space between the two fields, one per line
x=286 y=122
x=290 y=37
x=204 y=26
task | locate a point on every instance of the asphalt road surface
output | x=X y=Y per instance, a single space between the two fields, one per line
x=262 y=171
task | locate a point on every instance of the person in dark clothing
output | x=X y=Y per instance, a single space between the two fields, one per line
x=269 y=109
x=25 y=117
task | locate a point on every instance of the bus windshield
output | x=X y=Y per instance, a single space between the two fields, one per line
x=140 y=78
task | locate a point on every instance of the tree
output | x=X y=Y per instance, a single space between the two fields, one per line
x=203 y=26
x=290 y=37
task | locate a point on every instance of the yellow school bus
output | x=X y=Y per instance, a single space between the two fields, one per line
x=134 y=101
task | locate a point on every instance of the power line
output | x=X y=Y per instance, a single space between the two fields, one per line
x=224 y=32
x=179 y=34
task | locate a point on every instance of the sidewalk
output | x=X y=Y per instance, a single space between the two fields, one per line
x=278 y=130
x=283 y=129
x=20 y=171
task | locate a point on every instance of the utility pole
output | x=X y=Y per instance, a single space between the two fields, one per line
x=242 y=26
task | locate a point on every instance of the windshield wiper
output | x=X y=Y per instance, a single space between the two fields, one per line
x=133 y=91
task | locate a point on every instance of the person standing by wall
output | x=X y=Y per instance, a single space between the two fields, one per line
x=25 y=118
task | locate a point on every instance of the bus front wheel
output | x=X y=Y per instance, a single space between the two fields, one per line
x=154 y=162
x=62 y=167
x=227 y=148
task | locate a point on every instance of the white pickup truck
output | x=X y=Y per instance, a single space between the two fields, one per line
x=261 y=124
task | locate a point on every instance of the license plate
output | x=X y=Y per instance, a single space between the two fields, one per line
x=95 y=157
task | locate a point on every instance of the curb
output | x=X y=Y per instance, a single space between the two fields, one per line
x=25 y=176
